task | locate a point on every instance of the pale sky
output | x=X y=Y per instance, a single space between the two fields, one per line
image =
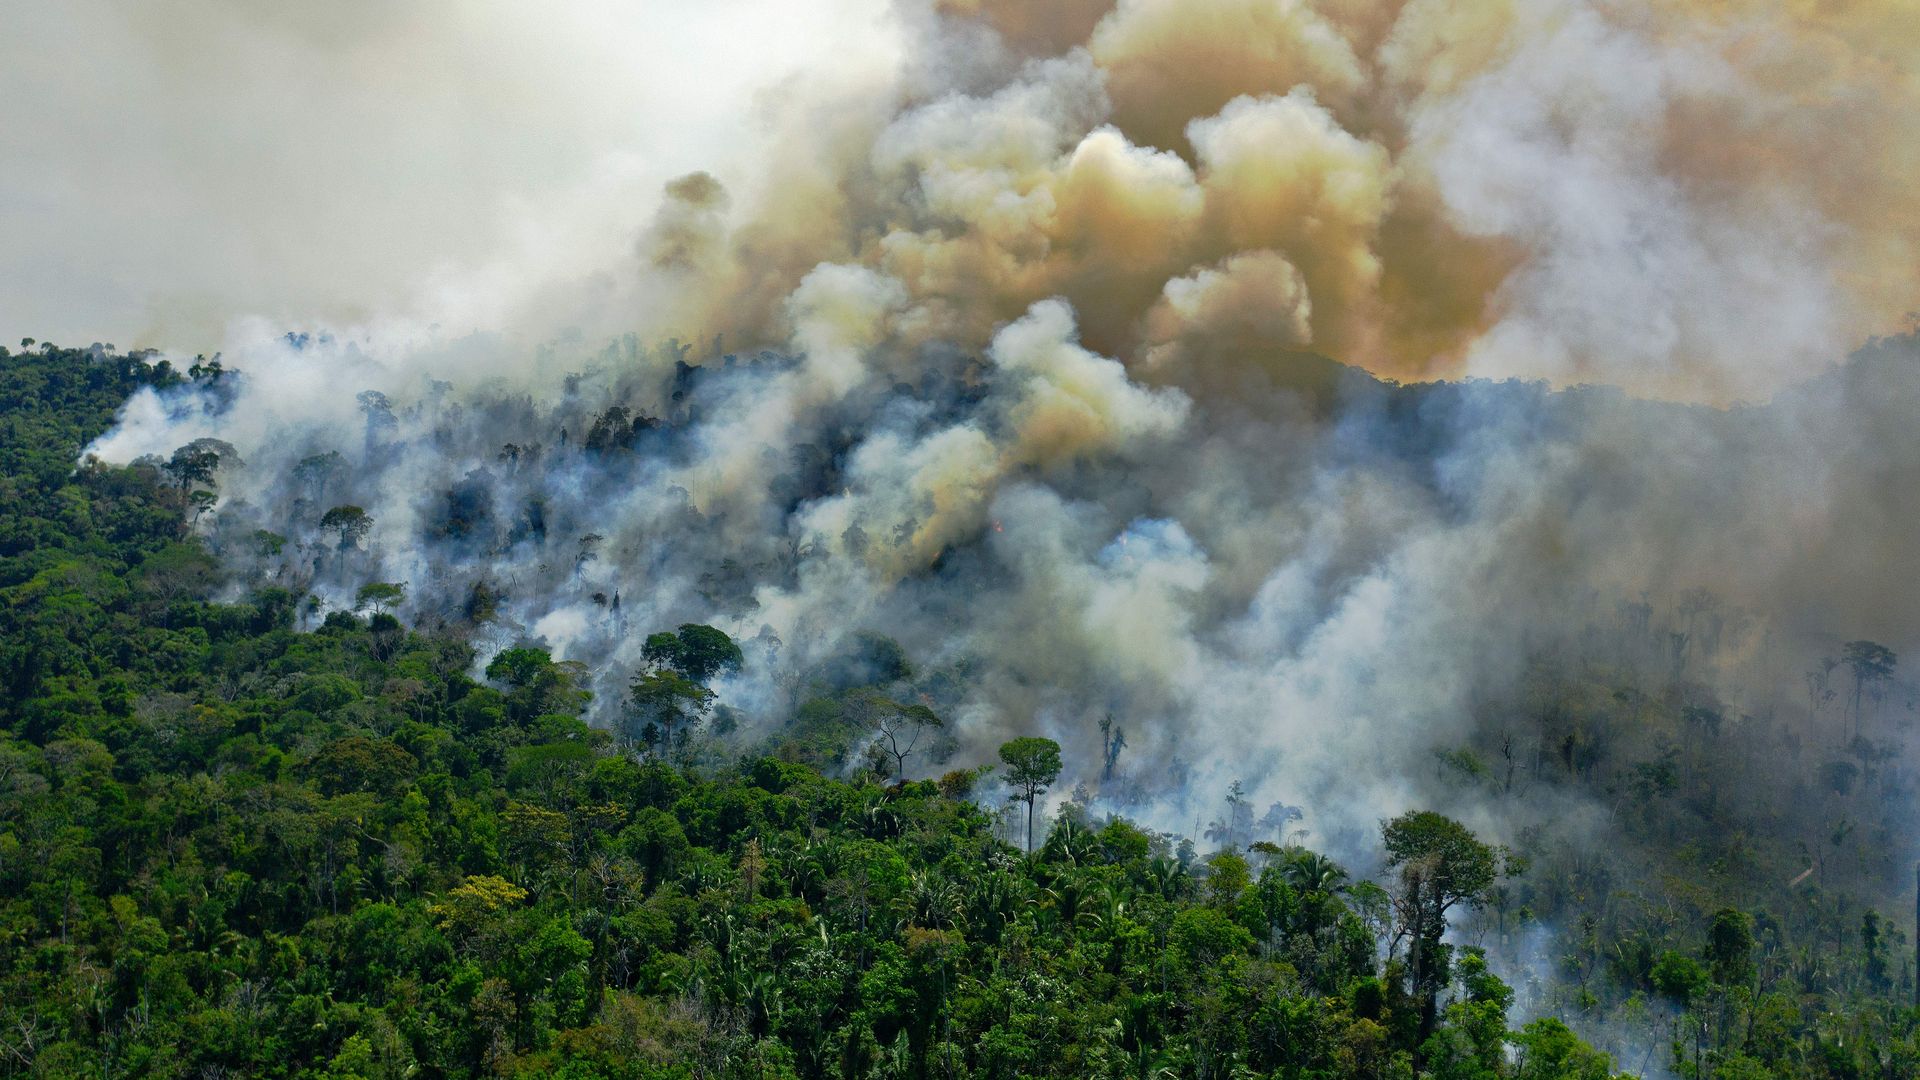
x=173 y=167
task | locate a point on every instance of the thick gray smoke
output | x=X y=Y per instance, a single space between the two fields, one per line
x=1028 y=373
x=1309 y=598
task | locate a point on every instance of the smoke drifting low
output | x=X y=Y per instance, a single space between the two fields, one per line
x=1027 y=367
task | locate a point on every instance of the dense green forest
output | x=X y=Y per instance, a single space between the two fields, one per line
x=232 y=848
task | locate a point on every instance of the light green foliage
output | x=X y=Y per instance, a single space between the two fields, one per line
x=1032 y=764
x=1679 y=977
x=1549 y=1050
x=379 y=595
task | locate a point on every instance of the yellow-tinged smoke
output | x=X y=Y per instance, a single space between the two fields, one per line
x=1700 y=200
x=1024 y=306
x=1060 y=403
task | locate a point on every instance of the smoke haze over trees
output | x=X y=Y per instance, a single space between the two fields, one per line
x=1298 y=415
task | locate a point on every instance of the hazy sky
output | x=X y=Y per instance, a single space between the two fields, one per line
x=1697 y=199
x=171 y=167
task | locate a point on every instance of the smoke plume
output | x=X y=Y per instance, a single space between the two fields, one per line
x=1091 y=357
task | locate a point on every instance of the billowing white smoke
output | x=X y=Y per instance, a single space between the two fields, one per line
x=1312 y=605
x=1028 y=373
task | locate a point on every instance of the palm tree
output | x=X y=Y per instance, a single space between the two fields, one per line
x=1110 y=905
x=1071 y=841
x=1168 y=877
x=1310 y=871
x=935 y=903
x=992 y=901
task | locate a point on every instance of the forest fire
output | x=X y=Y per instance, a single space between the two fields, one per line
x=1050 y=465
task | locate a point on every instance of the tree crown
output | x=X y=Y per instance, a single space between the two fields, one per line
x=1033 y=764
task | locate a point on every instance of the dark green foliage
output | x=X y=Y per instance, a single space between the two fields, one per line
x=1441 y=866
x=351 y=523
x=1033 y=764
x=871 y=660
x=230 y=849
x=1730 y=947
x=1680 y=977
x=665 y=707
x=1871 y=664
x=697 y=652
x=618 y=429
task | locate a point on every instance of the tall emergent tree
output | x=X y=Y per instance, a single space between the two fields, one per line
x=899 y=726
x=696 y=651
x=1113 y=739
x=537 y=685
x=665 y=705
x=1442 y=865
x=380 y=595
x=1871 y=663
x=350 y=522
x=1033 y=764
x=196 y=463
x=669 y=698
